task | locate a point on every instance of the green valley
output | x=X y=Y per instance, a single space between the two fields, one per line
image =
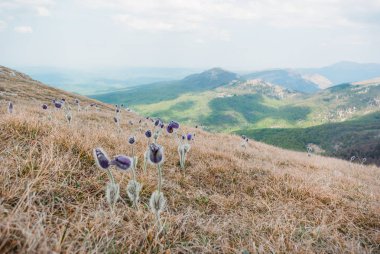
x=222 y=101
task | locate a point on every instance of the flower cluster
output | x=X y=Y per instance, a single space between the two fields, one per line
x=154 y=155
x=183 y=142
x=121 y=162
x=362 y=161
x=183 y=148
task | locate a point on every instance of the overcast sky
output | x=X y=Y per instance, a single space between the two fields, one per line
x=234 y=34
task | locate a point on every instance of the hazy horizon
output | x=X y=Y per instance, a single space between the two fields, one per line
x=236 y=35
x=84 y=69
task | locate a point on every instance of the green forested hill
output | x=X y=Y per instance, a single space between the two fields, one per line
x=358 y=137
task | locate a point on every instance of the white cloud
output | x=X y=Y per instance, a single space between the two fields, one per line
x=155 y=23
x=40 y=7
x=173 y=14
x=25 y=3
x=143 y=24
x=3 y=25
x=23 y=29
x=43 y=11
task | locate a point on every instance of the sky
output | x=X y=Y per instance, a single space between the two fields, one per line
x=233 y=34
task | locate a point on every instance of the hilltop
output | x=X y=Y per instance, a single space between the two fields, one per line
x=229 y=199
x=288 y=79
x=168 y=90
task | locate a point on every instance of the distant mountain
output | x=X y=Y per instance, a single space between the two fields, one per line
x=288 y=79
x=210 y=79
x=160 y=91
x=310 y=80
x=344 y=72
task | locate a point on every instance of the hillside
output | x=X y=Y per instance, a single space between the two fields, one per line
x=228 y=200
x=15 y=86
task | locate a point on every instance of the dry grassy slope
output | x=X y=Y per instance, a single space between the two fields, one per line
x=262 y=199
x=18 y=87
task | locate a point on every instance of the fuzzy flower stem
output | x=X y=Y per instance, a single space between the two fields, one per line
x=158 y=221
x=176 y=137
x=134 y=164
x=110 y=176
x=145 y=161
x=159 y=178
x=133 y=170
x=183 y=158
x=156 y=134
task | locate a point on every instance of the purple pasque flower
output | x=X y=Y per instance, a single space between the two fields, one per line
x=174 y=124
x=156 y=154
x=169 y=128
x=158 y=122
x=101 y=158
x=189 y=136
x=58 y=104
x=44 y=106
x=131 y=140
x=148 y=134
x=122 y=162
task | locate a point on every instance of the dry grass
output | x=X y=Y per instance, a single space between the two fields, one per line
x=262 y=199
